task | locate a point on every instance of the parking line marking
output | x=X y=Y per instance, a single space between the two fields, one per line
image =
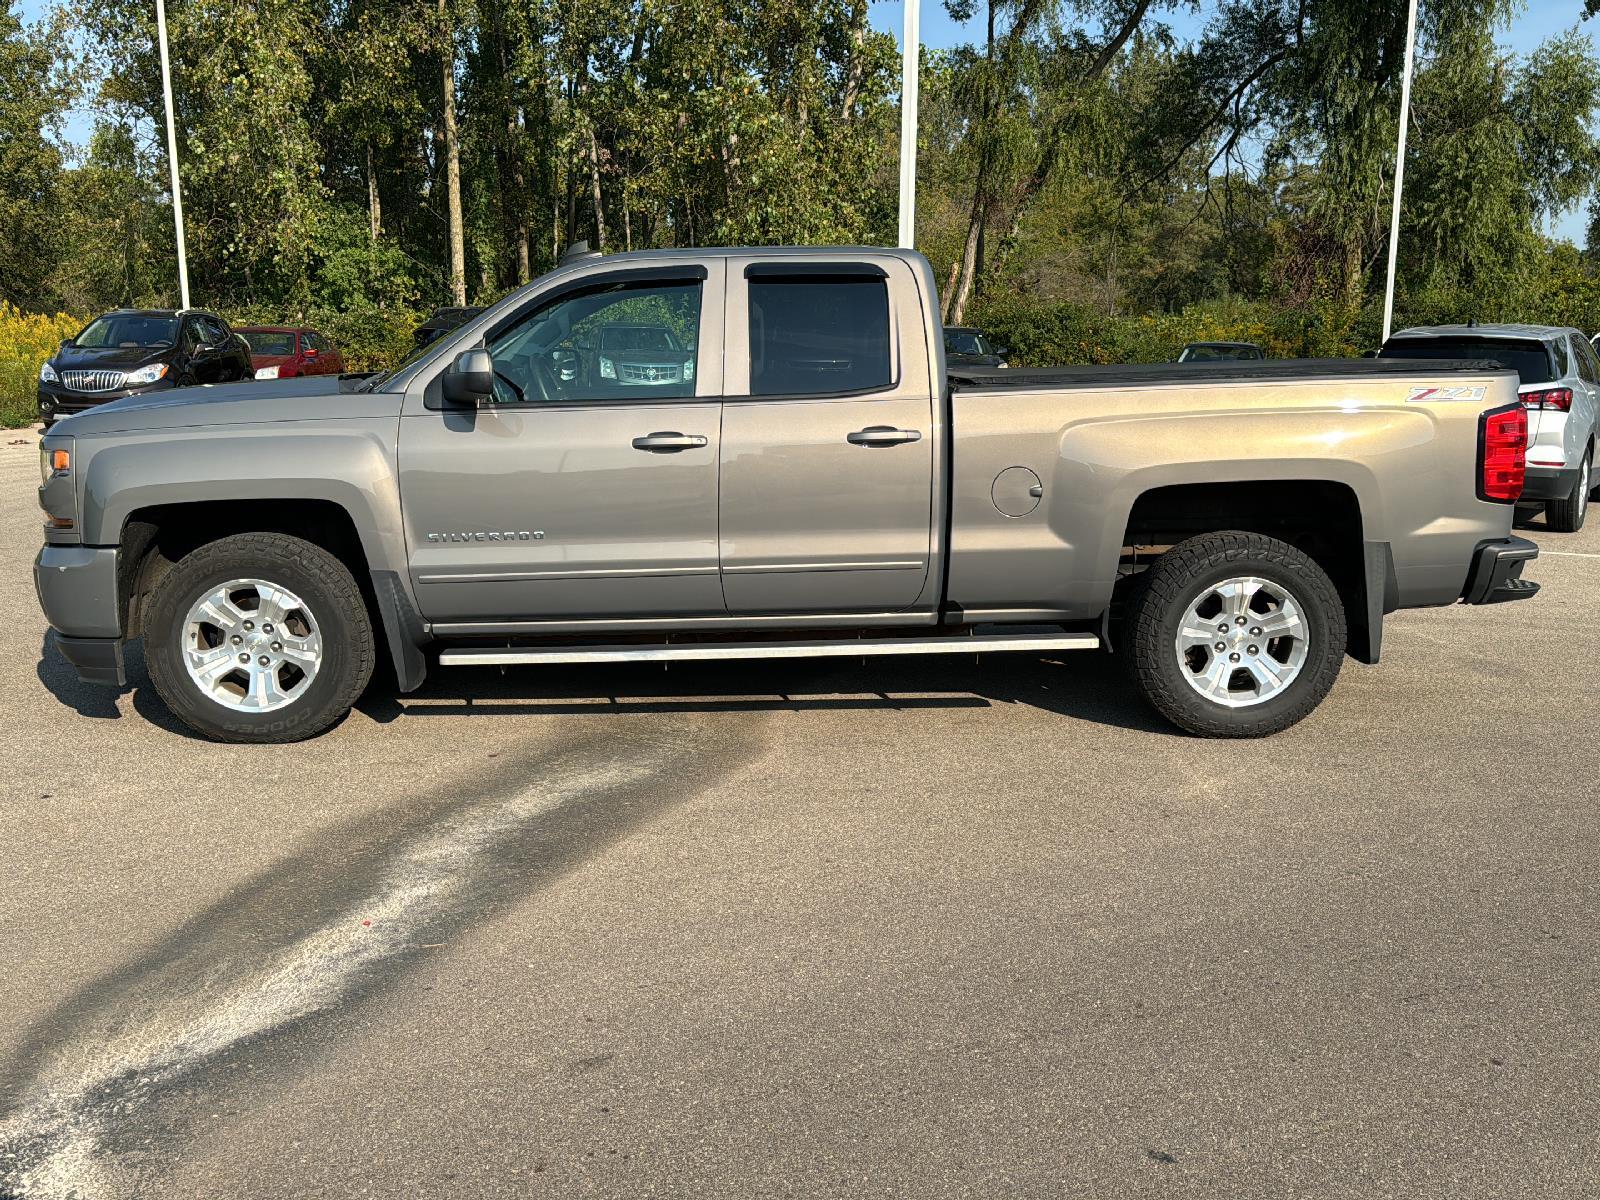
x=1567 y=554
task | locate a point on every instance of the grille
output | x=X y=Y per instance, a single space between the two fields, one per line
x=92 y=381
x=635 y=373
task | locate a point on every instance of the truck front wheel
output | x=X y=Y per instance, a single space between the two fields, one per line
x=1235 y=635
x=259 y=637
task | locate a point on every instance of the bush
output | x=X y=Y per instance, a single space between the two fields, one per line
x=26 y=340
x=1048 y=334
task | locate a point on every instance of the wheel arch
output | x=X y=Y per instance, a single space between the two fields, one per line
x=1322 y=517
x=156 y=536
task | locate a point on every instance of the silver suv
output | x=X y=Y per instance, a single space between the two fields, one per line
x=1560 y=388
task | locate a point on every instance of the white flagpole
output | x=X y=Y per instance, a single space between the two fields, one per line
x=172 y=154
x=910 y=49
x=1400 y=169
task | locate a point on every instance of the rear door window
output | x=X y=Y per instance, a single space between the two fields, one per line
x=1529 y=359
x=1584 y=357
x=819 y=335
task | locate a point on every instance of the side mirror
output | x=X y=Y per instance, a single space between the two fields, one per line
x=66 y=343
x=469 y=381
x=311 y=351
x=1002 y=352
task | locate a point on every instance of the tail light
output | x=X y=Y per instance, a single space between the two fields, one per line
x=1549 y=400
x=1503 y=452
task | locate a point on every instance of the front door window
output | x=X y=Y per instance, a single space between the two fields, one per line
x=621 y=343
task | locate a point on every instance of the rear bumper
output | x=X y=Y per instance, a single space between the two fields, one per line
x=1496 y=575
x=1549 y=483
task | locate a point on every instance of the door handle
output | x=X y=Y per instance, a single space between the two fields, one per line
x=668 y=443
x=883 y=435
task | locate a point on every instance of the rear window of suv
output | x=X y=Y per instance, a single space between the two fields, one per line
x=1529 y=359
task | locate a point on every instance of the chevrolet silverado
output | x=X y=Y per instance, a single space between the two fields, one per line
x=818 y=484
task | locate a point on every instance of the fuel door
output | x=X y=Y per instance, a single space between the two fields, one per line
x=1016 y=491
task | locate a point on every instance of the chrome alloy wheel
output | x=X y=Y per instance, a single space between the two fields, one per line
x=1242 y=641
x=251 y=645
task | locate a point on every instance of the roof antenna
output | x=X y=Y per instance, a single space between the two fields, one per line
x=579 y=250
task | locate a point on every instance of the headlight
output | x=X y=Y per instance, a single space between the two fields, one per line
x=53 y=462
x=608 y=369
x=47 y=374
x=148 y=374
x=266 y=372
x=688 y=369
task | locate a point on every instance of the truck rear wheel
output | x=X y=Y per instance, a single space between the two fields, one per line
x=259 y=637
x=1235 y=635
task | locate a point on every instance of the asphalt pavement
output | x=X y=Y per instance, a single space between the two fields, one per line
x=918 y=928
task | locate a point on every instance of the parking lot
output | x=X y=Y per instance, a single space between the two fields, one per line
x=917 y=928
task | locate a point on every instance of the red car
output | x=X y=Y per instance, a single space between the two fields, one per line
x=284 y=351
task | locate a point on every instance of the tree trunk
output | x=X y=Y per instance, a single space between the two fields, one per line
x=452 y=153
x=969 y=263
x=949 y=292
x=972 y=251
x=858 y=42
x=374 y=212
x=519 y=199
x=594 y=191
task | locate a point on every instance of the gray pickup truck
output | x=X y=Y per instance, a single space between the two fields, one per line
x=804 y=479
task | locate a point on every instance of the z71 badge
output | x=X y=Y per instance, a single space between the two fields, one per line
x=1430 y=395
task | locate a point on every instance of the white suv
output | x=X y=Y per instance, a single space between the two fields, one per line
x=1560 y=389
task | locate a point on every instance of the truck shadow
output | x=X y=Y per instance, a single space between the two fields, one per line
x=100 y=703
x=105 y=1080
x=1086 y=687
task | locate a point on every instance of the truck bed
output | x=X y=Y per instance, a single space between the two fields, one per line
x=1158 y=374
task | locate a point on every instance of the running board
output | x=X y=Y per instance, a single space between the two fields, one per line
x=707 y=651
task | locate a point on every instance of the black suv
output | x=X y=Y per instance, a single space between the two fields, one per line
x=139 y=350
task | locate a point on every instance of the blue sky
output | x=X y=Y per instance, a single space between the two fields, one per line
x=1538 y=20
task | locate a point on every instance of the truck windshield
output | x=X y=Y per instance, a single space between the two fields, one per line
x=1529 y=359
x=961 y=341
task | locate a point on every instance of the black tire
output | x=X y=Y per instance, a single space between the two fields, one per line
x=329 y=593
x=1178 y=579
x=1566 y=516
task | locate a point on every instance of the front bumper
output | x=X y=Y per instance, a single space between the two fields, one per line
x=77 y=589
x=1549 y=483
x=1496 y=574
x=97 y=660
x=56 y=401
